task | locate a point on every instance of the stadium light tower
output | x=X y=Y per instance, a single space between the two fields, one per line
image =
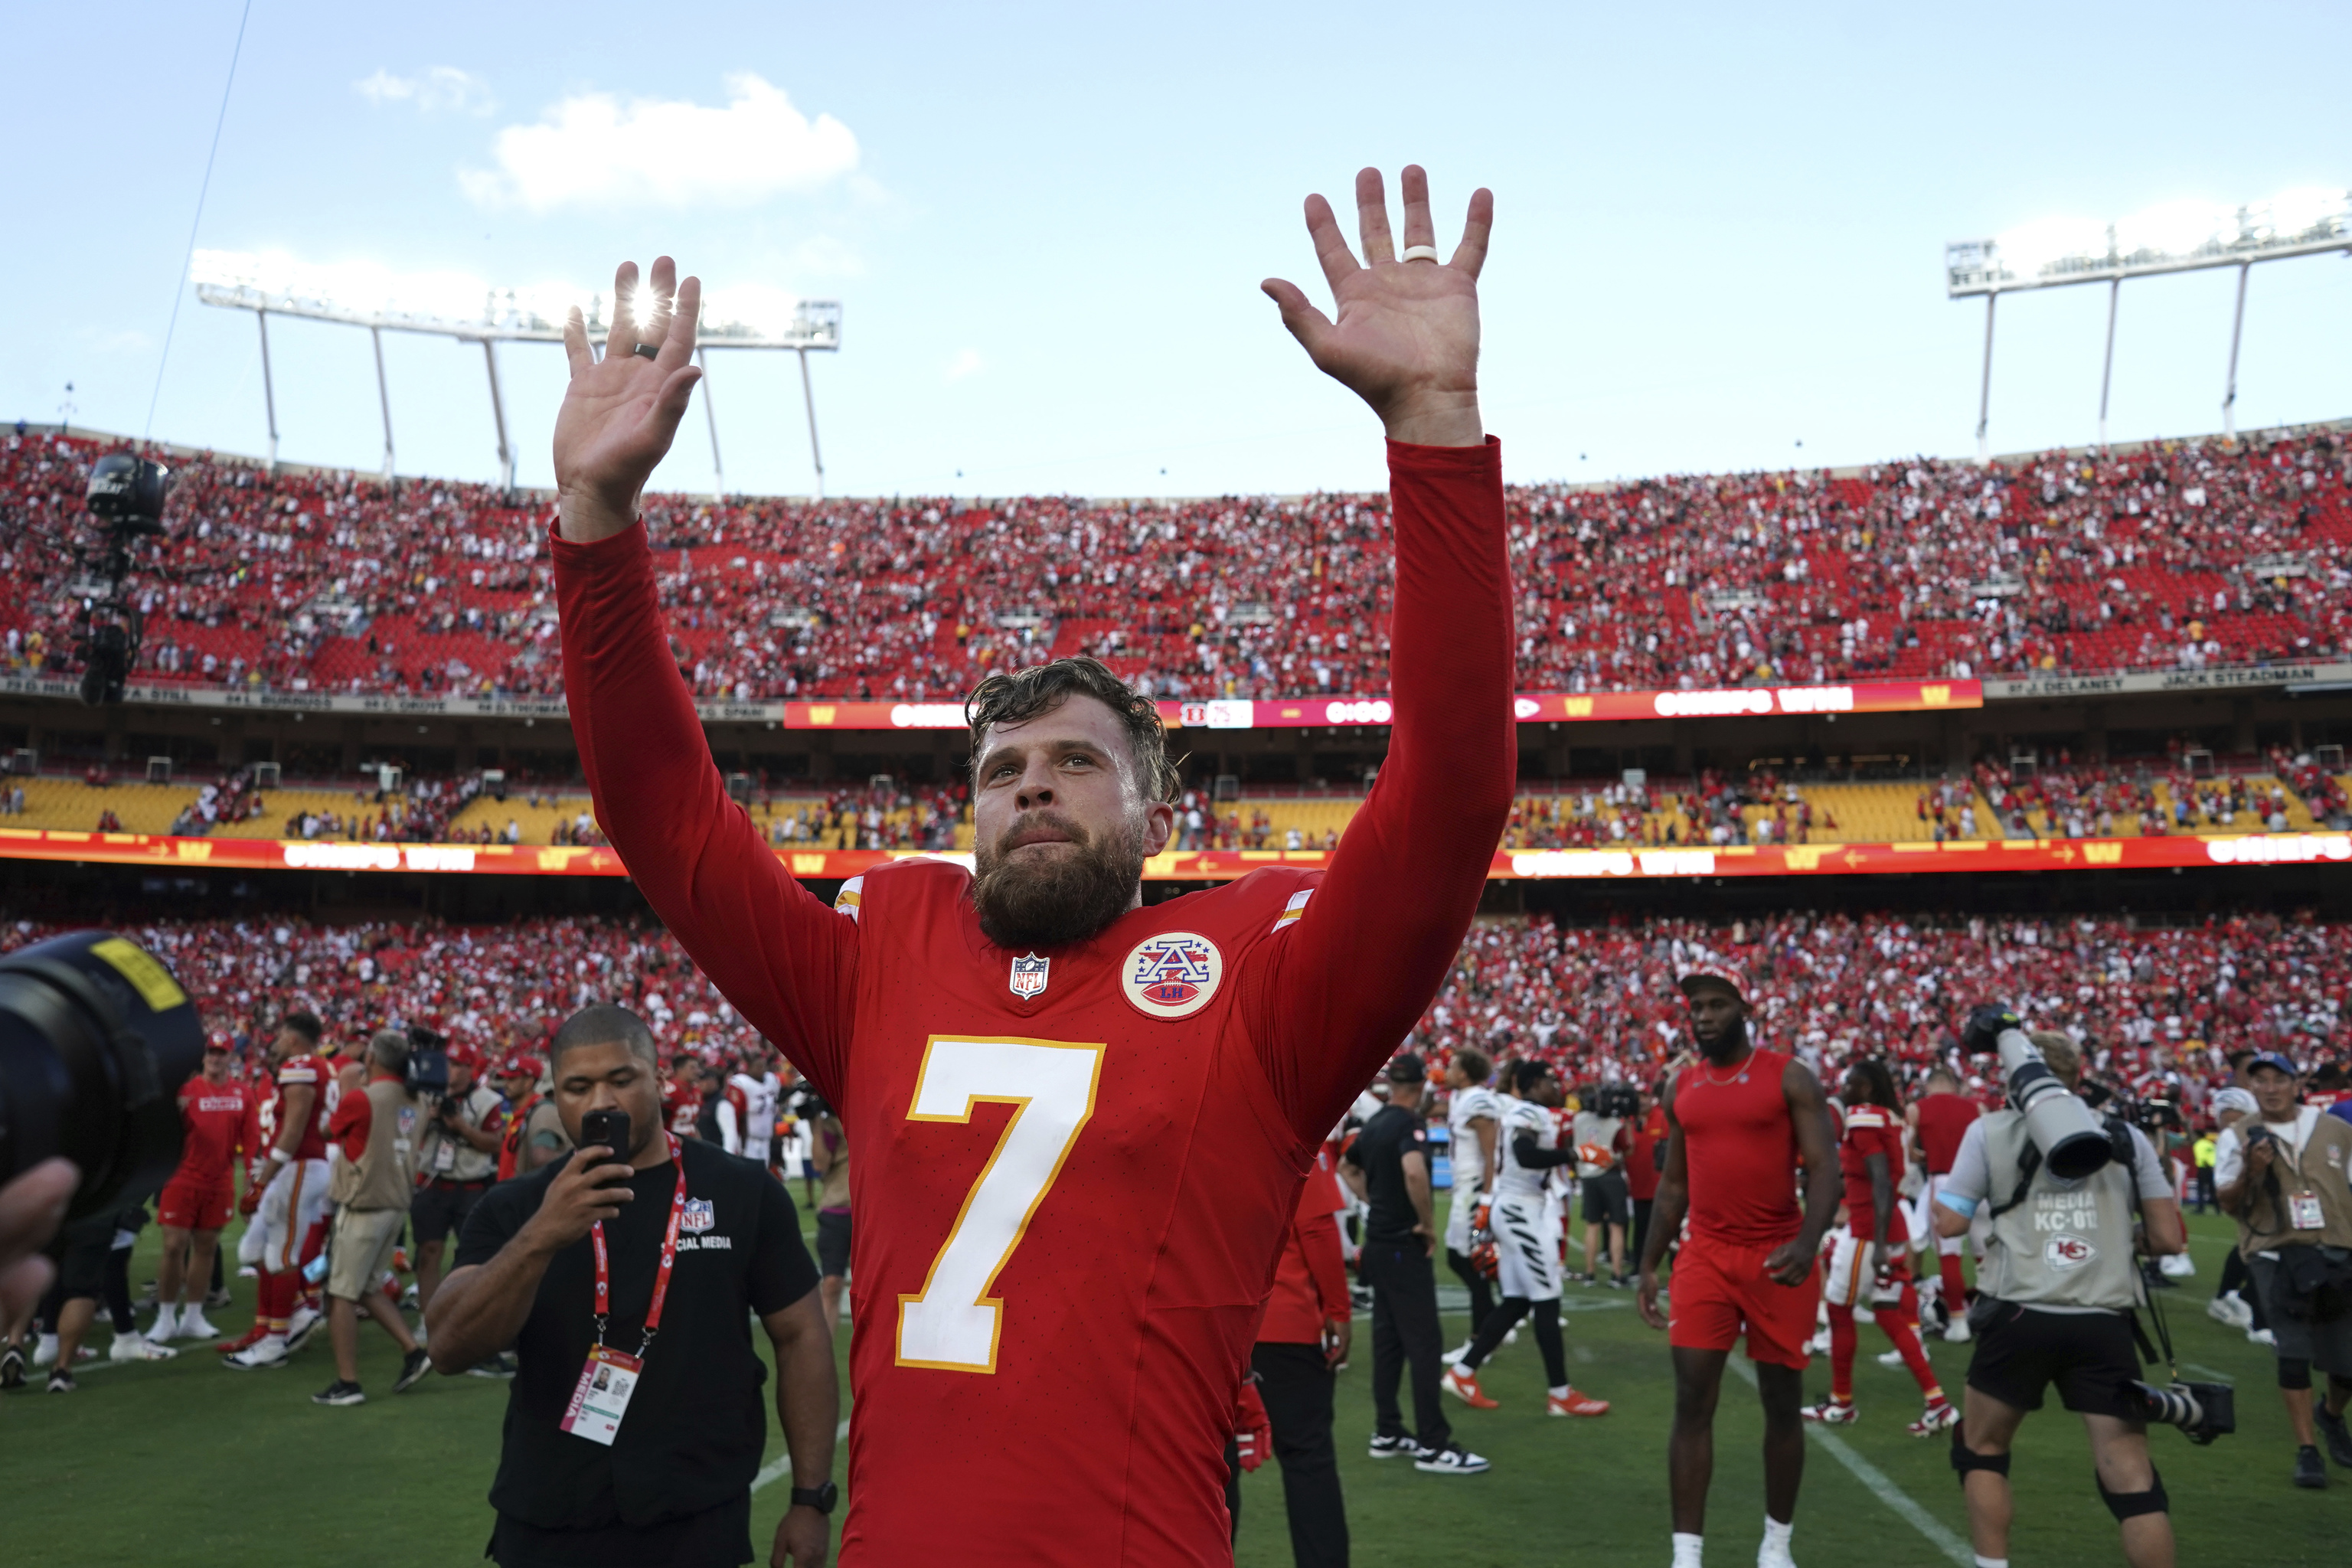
x=2177 y=237
x=452 y=305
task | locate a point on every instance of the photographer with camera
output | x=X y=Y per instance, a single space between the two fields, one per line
x=626 y=1277
x=376 y=1126
x=2282 y=1174
x=457 y=1161
x=2059 y=1286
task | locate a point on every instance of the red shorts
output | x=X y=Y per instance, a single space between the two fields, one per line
x=194 y=1204
x=1720 y=1291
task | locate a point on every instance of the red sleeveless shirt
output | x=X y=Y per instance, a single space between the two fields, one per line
x=1740 y=1149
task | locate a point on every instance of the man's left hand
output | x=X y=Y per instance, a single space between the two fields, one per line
x=1405 y=339
x=804 y=1539
x=1791 y=1261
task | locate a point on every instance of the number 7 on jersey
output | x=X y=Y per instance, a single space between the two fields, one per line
x=953 y=1323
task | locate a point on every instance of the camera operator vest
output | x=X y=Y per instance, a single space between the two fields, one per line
x=2321 y=1167
x=384 y=1175
x=2064 y=1243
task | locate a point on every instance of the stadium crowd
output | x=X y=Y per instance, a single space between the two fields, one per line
x=2194 y=554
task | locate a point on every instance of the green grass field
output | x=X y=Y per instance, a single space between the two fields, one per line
x=183 y=1462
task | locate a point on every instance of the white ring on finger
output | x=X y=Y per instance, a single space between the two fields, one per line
x=1419 y=253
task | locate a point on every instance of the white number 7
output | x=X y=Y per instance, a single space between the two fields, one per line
x=953 y=1323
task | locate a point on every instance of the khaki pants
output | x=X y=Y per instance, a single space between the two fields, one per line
x=362 y=1249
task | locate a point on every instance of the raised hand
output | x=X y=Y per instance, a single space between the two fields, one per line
x=620 y=414
x=1406 y=337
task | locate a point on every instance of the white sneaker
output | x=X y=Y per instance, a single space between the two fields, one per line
x=1895 y=1358
x=249 y=1272
x=269 y=1351
x=1955 y=1332
x=193 y=1326
x=299 y=1327
x=1451 y=1358
x=45 y=1352
x=1768 y=1555
x=166 y=1327
x=1818 y=1344
x=136 y=1346
x=2253 y=1336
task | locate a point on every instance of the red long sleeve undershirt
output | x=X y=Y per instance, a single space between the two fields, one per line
x=1326 y=1005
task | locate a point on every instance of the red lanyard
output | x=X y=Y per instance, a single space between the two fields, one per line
x=661 y=1275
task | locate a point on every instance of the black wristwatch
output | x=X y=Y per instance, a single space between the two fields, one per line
x=821 y=1499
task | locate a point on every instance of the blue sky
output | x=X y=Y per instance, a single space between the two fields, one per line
x=1719 y=231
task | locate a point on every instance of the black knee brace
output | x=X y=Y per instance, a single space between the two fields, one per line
x=1965 y=1459
x=2131 y=1505
x=2294 y=1372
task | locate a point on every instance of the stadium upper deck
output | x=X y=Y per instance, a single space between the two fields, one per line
x=2183 y=555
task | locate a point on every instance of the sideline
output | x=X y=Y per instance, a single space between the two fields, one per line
x=1939 y=1535
x=781 y=1465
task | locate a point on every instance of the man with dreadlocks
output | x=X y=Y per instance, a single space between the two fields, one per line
x=1871 y=1258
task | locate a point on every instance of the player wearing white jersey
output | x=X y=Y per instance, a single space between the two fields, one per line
x=1526 y=1218
x=1474 y=1138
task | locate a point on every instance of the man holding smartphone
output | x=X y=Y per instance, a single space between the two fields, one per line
x=624 y=1277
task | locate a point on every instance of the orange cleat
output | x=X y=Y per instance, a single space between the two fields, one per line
x=1464 y=1386
x=1575 y=1405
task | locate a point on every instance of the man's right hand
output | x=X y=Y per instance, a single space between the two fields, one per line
x=620 y=413
x=1645 y=1301
x=592 y=1187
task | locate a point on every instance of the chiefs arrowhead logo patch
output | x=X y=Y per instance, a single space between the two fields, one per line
x=1171 y=975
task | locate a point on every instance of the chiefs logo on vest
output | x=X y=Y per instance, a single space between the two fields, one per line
x=2068 y=1251
x=1171 y=975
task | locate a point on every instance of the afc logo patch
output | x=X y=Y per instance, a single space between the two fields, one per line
x=696 y=1216
x=1171 y=975
x=1029 y=976
x=2068 y=1251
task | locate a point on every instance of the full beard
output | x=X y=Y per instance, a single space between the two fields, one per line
x=1030 y=903
x=1726 y=1046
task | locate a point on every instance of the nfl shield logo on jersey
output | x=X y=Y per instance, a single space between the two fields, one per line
x=1171 y=975
x=1029 y=977
x=696 y=1216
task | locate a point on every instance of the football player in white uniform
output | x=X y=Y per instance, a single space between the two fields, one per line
x=1526 y=1218
x=1474 y=1138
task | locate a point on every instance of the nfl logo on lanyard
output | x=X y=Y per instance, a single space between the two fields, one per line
x=1029 y=976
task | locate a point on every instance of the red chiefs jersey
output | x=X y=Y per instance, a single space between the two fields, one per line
x=314 y=1072
x=1739 y=1150
x=682 y=1107
x=1943 y=1122
x=1871 y=1130
x=219 y=1122
x=1076 y=1166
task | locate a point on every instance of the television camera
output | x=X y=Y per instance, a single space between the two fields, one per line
x=126 y=495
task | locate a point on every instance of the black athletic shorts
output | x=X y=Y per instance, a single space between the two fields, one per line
x=2021 y=1351
x=80 y=1252
x=833 y=1244
x=440 y=1208
x=1605 y=1199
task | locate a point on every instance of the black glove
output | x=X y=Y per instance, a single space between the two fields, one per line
x=1981 y=1034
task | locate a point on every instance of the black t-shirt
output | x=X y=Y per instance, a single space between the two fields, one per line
x=696 y=1429
x=1379 y=1151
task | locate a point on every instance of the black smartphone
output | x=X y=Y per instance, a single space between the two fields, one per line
x=610 y=1128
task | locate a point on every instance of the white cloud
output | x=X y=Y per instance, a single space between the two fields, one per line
x=444 y=88
x=967 y=362
x=595 y=148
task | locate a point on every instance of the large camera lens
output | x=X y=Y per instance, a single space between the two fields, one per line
x=96 y=1039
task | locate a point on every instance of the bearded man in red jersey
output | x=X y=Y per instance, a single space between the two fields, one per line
x=1061 y=1255
x=1740 y=1123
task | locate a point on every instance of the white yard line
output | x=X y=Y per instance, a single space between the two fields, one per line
x=781 y=1465
x=1939 y=1535
x=2206 y=1372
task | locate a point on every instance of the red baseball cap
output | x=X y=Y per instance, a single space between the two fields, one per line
x=522 y=1066
x=1699 y=974
x=465 y=1056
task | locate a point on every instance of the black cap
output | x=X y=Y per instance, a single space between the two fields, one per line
x=1407 y=1068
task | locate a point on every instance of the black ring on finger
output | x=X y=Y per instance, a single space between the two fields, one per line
x=644 y=350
